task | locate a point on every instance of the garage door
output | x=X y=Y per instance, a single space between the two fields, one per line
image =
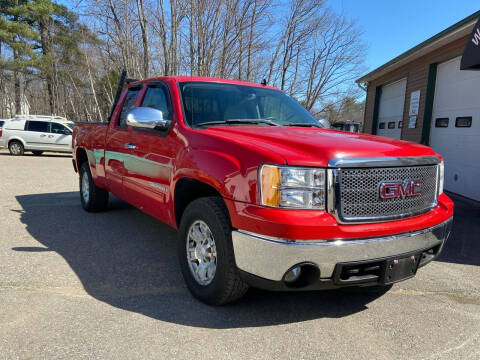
x=390 y=111
x=455 y=132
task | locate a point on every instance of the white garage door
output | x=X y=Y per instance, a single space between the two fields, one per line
x=390 y=111
x=455 y=130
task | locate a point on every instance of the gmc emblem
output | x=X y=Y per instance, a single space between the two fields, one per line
x=393 y=190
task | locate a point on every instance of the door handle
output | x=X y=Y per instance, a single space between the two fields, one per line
x=42 y=135
x=130 y=146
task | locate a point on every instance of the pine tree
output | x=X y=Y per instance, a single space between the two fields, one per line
x=18 y=35
x=57 y=41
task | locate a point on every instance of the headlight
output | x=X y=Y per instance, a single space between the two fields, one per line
x=440 y=178
x=292 y=187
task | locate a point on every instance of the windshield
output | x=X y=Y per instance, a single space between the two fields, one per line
x=69 y=125
x=206 y=102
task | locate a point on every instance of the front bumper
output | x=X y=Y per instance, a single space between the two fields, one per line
x=269 y=258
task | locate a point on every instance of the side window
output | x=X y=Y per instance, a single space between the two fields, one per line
x=127 y=106
x=39 y=126
x=157 y=97
x=59 y=129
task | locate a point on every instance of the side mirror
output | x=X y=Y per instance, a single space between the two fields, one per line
x=147 y=118
x=67 y=132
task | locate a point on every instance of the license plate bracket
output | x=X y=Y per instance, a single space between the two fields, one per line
x=402 y=268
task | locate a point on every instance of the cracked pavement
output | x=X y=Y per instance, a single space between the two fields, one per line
x=77 y=285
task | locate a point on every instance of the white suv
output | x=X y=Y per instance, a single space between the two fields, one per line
x=36 y=133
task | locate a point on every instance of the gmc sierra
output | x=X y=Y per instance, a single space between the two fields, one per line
x=260 y=194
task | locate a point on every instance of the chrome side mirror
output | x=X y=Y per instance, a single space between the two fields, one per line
x=147 y=118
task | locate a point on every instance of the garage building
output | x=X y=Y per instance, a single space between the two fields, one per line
x=423 y=96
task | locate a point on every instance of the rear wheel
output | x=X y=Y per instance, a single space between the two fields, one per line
x=16 y=148
x=205 y=253
x=92 y=197
x=37 y=153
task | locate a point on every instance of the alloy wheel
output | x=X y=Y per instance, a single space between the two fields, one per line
x=85 y=187
x=201 y=253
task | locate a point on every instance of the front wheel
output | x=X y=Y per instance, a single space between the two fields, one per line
x=205 y=253
x=92 y=197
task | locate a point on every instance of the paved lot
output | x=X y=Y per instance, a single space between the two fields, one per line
x=78 y=285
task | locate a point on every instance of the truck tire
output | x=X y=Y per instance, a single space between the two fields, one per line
x=16 y=148
x=92 y=197
x=37 y=152
x=208 y=267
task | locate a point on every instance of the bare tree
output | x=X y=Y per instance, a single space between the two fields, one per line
x=335 y=59
x=300 y=46
x=166 y=26
x=144 y=27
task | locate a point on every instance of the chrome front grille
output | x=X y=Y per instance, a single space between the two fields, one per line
x=357 y=193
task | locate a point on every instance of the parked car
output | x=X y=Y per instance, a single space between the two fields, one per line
x=350 y=126
x=260 y=194
x=2 y=122
x=37 y=133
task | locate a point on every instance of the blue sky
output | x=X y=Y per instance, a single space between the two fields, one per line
x=392 y=27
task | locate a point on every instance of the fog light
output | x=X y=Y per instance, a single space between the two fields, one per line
x=293 y=274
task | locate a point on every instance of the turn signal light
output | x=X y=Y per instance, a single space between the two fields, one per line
x=292 y=187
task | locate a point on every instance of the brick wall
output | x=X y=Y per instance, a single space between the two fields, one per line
x=416 y=73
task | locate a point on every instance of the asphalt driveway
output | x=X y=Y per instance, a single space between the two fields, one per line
x=107 y=285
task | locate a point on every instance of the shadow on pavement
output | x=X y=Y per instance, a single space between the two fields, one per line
x=54 y=155
x=463 y=246
x=128 y=260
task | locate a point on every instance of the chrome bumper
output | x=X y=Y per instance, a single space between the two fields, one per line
x=269 y=257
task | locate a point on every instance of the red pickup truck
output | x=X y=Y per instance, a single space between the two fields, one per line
x=260 y=194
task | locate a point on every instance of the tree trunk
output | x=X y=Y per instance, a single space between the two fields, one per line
x=143 y=26
x=191 y=40
x=47 y=51
x=173 y=60
x=16 y=81
x=250 y=41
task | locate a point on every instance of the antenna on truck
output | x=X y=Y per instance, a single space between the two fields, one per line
x=121 y=82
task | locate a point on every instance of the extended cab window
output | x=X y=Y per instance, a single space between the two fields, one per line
x=157 y=97
x=60 y=129
x=128 y=105
x=39 y=126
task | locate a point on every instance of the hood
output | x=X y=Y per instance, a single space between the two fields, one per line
x=315 y=147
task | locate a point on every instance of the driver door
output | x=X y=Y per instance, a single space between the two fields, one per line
x=148 y=179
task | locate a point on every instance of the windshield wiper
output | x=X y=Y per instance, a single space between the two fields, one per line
x=305 y=125
x=238 y=121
